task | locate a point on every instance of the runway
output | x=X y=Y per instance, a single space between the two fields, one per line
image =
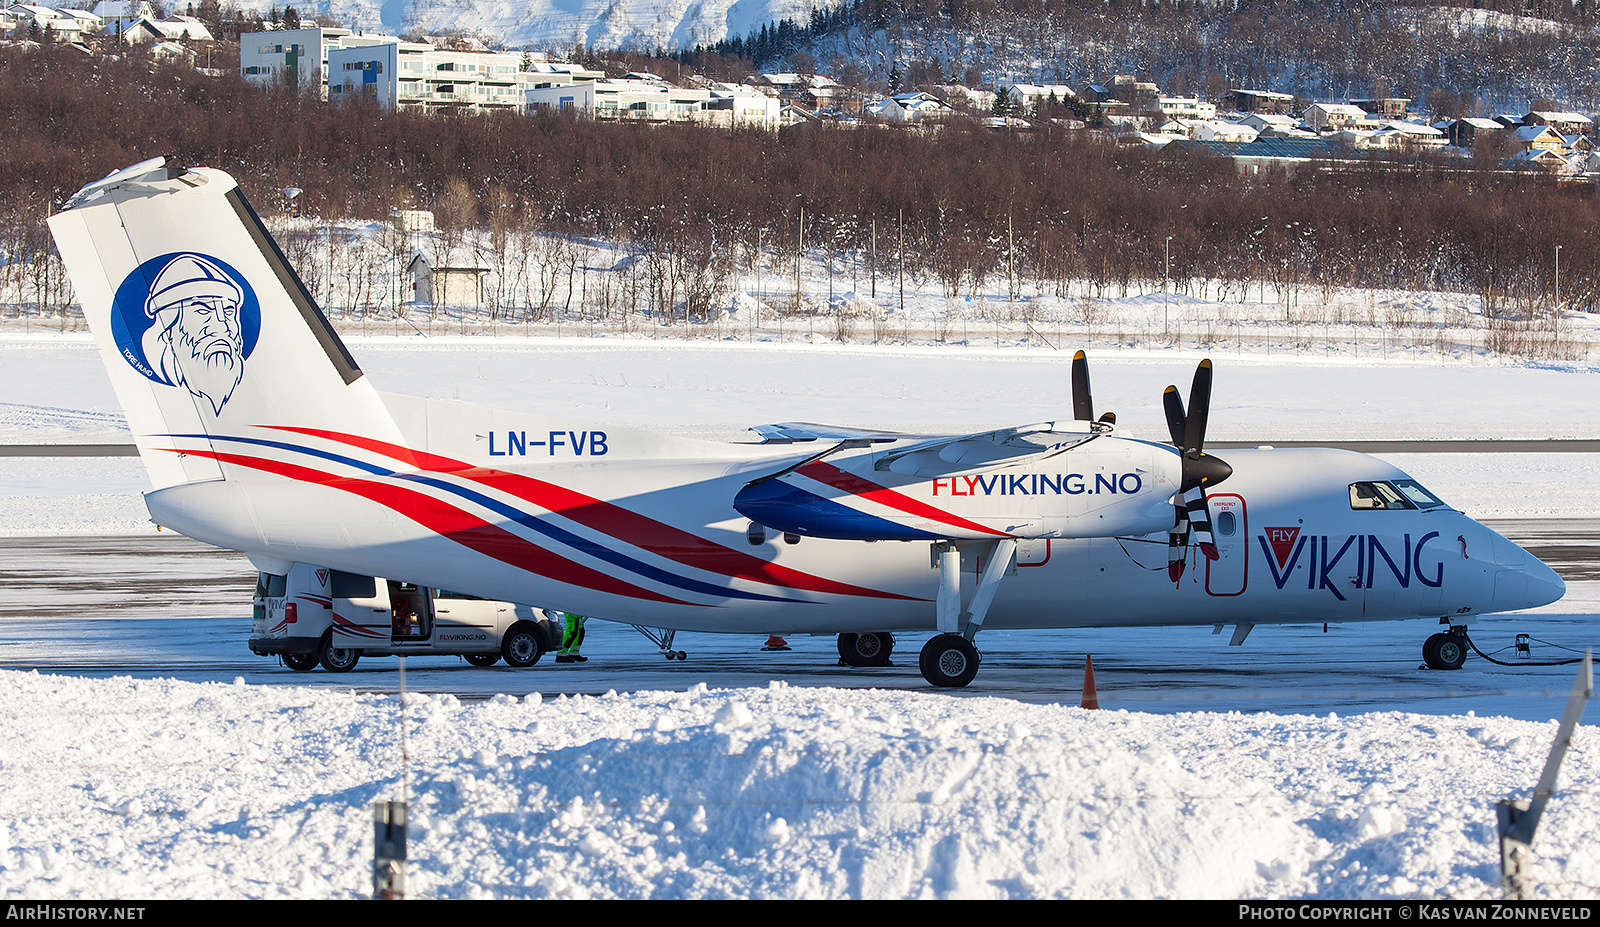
x=170 y=607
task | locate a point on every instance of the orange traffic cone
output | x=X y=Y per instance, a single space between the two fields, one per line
x=1090 y=698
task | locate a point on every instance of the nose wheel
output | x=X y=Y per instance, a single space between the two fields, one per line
x=949 y=661
x=1446 y=650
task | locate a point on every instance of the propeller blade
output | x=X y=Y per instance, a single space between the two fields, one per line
x=1194 y=432
x=1177 y=542
x=1082 y=402
x=1175 y=417
x=1188 y=430
x=1199 y=514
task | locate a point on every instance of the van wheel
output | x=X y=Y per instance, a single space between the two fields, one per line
x=482 y=659
x=300 y=662
x=337 y=659
x=521 y=646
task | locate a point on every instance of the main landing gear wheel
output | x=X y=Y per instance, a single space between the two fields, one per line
x=1445 y=651
x=338 y=659
x=869 y=649
x=300 y=662
x=949 y=660
x=482 y=659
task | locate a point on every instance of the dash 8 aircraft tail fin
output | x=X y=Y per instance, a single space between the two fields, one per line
x=209 y=336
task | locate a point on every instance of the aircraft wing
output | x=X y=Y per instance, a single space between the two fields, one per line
x=964 y=452
x=932 y=455
x=792 y=432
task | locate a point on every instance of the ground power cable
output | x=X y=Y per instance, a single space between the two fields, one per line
x=1474 y=646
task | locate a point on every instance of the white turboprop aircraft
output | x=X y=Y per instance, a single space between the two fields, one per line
x=260 y=434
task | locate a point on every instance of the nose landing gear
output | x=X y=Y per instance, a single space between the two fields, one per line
x=1446 y=650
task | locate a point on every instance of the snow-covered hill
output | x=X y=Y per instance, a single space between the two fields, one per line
x=635 y=24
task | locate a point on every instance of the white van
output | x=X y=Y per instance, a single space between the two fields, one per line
x=316 y=615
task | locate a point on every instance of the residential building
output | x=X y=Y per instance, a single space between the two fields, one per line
x=651 y=100
x=1277 y=125
x=122 y=13
x=1143 y=96
x=1384 y=107
x=1465 y=132
x=733 y=105
x=28 y=18
x=1564 y=123
x=1185 y=108
x=1331 y=117
x=912 y=107
x=1538 y=138
x=544 y=73
x=1029 y=96
x=412 y=75
x=1263 y=102
x=297 y=58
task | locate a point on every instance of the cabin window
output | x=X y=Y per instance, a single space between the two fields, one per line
x=1227 y=524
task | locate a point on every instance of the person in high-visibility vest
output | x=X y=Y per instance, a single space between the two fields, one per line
x=571 y=639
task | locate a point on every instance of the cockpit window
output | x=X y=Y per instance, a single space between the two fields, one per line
x=1392 y=494
x=1419 y=497
x=1375 y=495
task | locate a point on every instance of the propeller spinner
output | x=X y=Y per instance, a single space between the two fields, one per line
x=1200 y=470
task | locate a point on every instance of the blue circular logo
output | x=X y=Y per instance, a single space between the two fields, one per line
x=187 y=319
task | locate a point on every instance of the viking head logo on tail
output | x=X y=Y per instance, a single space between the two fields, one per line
x=190 y=321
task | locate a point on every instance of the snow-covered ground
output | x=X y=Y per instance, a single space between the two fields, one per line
x=123 y=787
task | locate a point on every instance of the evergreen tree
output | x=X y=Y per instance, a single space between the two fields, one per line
x=1002 y=101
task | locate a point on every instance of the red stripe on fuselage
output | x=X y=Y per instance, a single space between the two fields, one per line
x=456 y=525
x=641 y=531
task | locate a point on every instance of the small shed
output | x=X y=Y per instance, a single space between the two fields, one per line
x=456 y=281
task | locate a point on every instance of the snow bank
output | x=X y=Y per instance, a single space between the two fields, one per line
x=168 y=789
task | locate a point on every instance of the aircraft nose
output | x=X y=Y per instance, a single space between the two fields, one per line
x=1522 y=580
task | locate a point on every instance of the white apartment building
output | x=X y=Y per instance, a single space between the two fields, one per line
x=736 y=105
x=544 y=74
x=1186 y=108
x=651 y=100
x=296 y=57
x=412 y=75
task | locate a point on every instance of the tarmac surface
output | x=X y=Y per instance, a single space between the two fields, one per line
x=166 y=606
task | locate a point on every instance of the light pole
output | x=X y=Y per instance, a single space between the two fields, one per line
x=1556 y=310
x=800 y=247
x=1166 y=274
